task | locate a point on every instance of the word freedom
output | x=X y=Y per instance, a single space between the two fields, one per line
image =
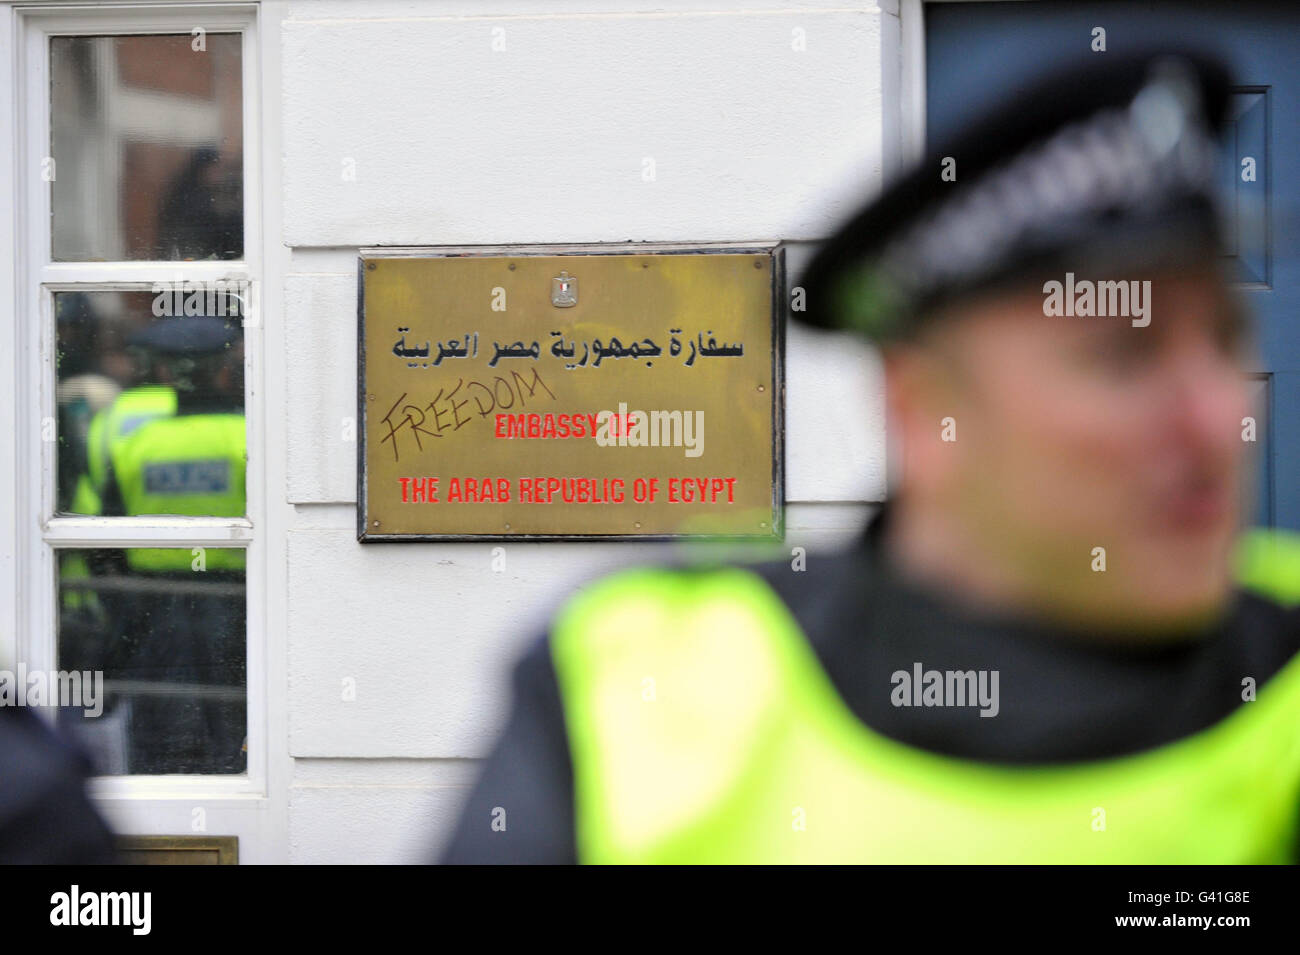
x=946 y=688
x=635 y=429
x=1101 y=299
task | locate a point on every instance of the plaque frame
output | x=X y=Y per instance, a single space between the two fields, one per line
x=779 y=312
x=177 y=848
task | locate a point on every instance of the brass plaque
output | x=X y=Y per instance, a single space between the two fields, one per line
x=612 y=392
x=178 y=850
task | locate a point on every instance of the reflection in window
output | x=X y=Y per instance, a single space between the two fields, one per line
x=151 y=408
x=148 y=147
x=166 y=628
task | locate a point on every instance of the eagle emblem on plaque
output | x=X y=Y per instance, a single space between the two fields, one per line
x=564 y=289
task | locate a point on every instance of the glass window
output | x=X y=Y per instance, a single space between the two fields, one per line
x=145 y=423
x=150 y=391
x=161 y=631
x=148 y=147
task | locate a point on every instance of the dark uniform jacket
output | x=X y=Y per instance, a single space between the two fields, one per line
x=1063 y=696
x=45 y=816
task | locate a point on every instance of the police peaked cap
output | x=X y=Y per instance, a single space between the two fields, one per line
x=188 y=335
x=1108 y=167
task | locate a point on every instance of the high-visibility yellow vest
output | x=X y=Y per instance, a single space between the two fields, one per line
x=703 y=728
x=1268 y=562
x=191 y=465
x=129 y=410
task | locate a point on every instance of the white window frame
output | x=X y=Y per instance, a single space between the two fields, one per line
x=230 y=805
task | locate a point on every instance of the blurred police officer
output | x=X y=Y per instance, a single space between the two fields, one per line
x=187 y=627
x=1036 y=651
x=110 y=426
x=45 y=816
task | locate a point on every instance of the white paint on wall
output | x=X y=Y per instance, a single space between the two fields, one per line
x=453 y=143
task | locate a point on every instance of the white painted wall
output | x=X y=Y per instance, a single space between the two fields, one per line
x=455 y=143
x=542 y=142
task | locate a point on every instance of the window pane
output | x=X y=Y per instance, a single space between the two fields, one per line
x=165 y=627
x=148 y=147
x=150 y=406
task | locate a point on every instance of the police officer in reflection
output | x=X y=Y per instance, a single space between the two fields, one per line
x=178 y=652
